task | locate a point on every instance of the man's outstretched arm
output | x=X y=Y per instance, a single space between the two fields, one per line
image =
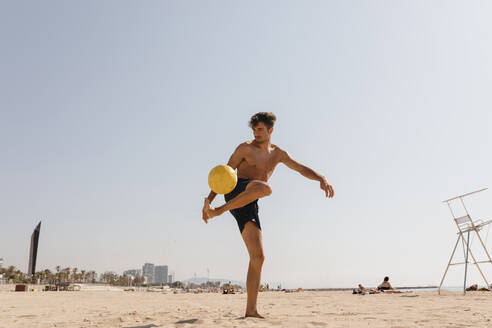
x=308 y=173
x=234 y=162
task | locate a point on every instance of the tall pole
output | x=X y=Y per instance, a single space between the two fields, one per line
x=466 y=259
x=33 y=252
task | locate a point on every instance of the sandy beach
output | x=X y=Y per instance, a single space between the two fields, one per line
x=303 y=309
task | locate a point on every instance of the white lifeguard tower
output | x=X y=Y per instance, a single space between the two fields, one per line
x=467 y=226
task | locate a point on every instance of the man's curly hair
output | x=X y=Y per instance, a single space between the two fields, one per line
x=266 y=118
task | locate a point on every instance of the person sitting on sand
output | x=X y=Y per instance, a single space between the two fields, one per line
x=386 y=287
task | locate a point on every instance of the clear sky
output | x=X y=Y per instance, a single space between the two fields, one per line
x=112 y=114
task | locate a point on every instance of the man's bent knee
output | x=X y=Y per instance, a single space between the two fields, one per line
x=267 y=190
x=262 y=188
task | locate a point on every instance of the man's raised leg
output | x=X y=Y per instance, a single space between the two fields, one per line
x=253 y=239
x=254 y=190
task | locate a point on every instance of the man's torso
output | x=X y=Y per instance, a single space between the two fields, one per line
x=258 y=163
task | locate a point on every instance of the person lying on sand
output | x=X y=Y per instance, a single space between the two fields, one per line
x=364 y=290
x=474 y=287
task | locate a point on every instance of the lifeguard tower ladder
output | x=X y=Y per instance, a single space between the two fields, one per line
x=466 y=225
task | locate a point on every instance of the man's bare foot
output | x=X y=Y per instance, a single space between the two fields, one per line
x=254 y=315
x=209 y=211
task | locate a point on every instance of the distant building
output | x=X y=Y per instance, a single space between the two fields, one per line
x=148 y=271
x=160 y=274
x=170 y=279
x=132 y=273
x=1 y=262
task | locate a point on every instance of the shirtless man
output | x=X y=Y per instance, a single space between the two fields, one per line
x=255 y=161
x=386 y=287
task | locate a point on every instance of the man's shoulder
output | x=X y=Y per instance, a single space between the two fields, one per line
x=245 y=144
x=243 y=147
x=279 y=150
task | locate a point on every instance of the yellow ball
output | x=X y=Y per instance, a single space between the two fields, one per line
x=222 y=179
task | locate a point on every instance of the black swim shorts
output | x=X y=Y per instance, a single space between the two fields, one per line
x=246 y=213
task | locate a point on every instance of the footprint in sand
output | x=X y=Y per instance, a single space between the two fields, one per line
x=318 y=324
x=28 y=316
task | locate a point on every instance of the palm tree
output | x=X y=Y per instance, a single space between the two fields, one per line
x=82 y=272
x=58 y=274
x=177 y=284
x=48 y=275
x=66 y=274
x=10 y=271
x=37 y=276
x=138 y=280
x=20 y=277
x=74 y=274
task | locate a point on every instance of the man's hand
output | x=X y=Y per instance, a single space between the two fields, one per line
x=324 y=185
x=207 y=206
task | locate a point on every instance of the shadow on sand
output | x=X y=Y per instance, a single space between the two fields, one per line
x=244 y=318
x=186 y=321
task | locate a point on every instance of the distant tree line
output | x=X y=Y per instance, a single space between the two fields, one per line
x=72 y=275
x=65 y=275
x=212 y=285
